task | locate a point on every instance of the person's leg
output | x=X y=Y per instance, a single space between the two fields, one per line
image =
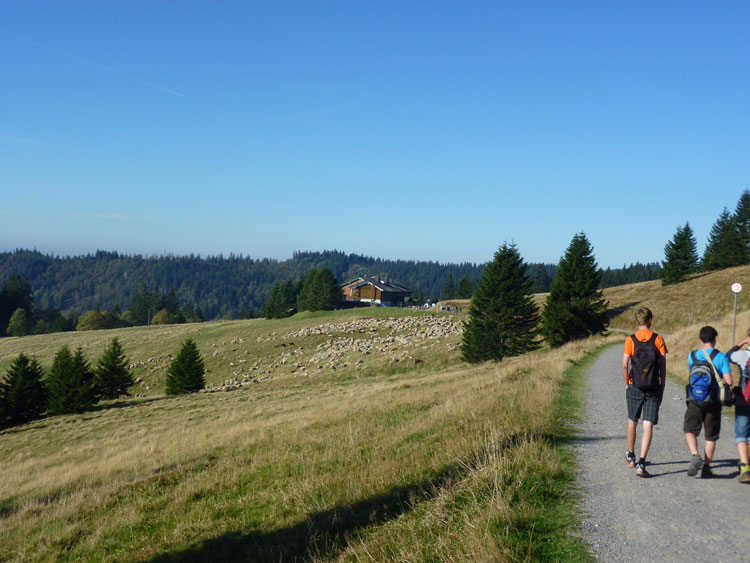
x=709 y=450
x=692 y=442
x=742 y=451
x=712 y=428
x=742 y=431
x=648 y=429
x=632 y=424
x=634 y=398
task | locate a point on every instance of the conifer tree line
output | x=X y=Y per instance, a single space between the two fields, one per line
x=505 y=321
x=109 y=285
x=73 y=385
x=728 y=245
x=318 y=290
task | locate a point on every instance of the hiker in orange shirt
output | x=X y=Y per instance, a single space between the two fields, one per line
x=644 y=369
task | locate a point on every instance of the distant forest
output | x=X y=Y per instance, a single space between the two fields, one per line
x=234 y=286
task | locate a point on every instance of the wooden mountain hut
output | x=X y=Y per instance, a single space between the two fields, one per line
x=381 y=291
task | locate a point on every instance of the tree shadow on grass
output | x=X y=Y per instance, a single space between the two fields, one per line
x=326 y=533
x=321 y=534
x=615 y=311
x=122 y=404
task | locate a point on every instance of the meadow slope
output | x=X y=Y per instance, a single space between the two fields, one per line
x=376 y=459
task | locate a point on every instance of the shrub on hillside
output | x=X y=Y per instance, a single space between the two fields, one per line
x=19 y=324
x=186 y=372
x=96 y=320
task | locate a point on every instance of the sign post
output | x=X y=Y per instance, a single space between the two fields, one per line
x=736 y=288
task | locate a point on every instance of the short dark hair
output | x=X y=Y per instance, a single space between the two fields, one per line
x=708 y=334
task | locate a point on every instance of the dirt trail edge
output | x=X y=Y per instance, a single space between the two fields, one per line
x=669 y=516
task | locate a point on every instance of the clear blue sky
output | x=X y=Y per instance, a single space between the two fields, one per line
x=417 y=130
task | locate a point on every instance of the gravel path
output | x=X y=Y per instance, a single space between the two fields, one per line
x=670 y=516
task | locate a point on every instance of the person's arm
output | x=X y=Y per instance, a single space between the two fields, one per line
x=626 y=369
x=663 y=360
x=726 y=370
x=738 y=346
x=728 y=378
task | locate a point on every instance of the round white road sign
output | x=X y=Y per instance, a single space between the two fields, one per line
x=736 y=287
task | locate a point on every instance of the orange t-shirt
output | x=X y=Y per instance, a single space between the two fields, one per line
x=643 y=336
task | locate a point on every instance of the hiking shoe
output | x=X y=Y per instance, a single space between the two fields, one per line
x=630 y=459
x=744 y=474
x=640 y=470
x=706 y=472
x=695 y=465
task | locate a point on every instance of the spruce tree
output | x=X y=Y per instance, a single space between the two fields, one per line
x=724 y=248
x=503 y=318
x=273 y=305
x=22 y=394
x=327 y=291
x=449 y=288
x=575 y=306
x=306 y=295
x=742 y=218
x=680 y=256
x=320 y=291
x=186 y=372
x=70 y=383
x=464 y=289
x=112 y=375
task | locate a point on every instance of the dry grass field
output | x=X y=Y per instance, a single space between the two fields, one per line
x=349 y=436
x=702 y=299
x=359 y=436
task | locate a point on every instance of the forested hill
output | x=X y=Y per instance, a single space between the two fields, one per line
x=230 y=285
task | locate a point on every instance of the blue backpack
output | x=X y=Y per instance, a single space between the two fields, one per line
x=702 y=388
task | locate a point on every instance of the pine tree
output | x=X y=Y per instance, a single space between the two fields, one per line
x=186 y=372
x=274 y=307
x=327 y=291
x=22 y=394
x=320 y=291
x=680 y=256
x=449 y=288
x=306 y=294
x=19 y=324
x=70 y=383
x=575 y=306
x=144 y=306
x=464 y=289
x=724 y=248
x=112 y=376
x=503 y=318
x=742 y=218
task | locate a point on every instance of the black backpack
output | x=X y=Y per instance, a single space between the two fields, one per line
x=645 y=363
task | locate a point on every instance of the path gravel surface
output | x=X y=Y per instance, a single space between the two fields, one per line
x=669 y=516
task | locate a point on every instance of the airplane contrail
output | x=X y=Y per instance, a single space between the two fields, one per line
x=92 y=63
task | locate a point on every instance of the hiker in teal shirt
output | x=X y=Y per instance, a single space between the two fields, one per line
x=708 y=417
